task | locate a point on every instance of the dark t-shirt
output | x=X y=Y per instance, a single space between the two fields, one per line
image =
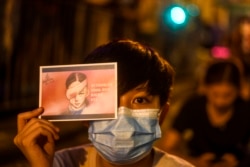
x=232 y=138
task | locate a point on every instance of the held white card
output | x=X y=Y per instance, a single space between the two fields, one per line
x=78 y=92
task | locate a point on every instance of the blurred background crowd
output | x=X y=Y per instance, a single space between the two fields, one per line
x=188 y=33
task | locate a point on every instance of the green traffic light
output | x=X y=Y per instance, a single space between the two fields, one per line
x=178 y=15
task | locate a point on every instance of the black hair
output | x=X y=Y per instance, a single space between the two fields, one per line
x=75 y=76
x=137 y=64
x=223 y=71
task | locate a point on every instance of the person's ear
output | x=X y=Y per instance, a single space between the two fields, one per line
x=164 y=111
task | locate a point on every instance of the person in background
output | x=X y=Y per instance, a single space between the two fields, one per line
x=77 y=92
x=144 y=85
x=239 y=45
x=212 y=128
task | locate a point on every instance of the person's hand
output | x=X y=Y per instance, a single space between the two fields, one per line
x=227 y=160
x=204 y=160
x=35 y=138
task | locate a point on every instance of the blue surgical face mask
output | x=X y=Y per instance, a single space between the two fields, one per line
x=127 y=139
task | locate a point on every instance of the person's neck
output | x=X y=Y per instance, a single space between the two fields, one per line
x=221 y=111
x=73 y=108
x=219 y=118
x=145 y=162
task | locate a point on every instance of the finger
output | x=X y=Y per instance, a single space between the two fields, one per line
x=22 y=118
x=35 y=124
x=32 y=135
x=35 y=135
x=32 y=140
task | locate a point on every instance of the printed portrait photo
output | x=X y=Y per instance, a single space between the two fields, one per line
x=79 y=92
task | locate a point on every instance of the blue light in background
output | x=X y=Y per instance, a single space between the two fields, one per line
x=178 y=15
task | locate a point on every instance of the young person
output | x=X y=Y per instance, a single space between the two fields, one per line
x=239 y=45
x=144 y=83
x=213 y=127
x=77 y=92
